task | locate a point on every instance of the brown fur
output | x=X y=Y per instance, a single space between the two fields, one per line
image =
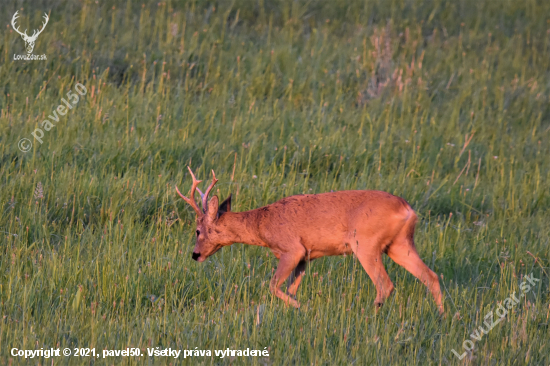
x=300 y=228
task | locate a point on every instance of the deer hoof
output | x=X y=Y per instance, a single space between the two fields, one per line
x=377 y=306
x=294 y=303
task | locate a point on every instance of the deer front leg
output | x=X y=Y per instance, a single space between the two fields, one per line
x=296 y=278
x=287 y=263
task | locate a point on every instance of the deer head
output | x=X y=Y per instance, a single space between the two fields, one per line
x=29 y=41
x=209 y=236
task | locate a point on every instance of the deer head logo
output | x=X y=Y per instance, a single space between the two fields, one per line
x=29 y=40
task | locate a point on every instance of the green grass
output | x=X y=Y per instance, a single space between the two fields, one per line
x=279 y=98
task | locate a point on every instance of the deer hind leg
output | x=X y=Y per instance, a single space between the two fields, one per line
x=287 y=264
x=371 y=260
x=296 y=278
x=403 y=252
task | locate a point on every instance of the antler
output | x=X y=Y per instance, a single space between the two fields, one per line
x=35 y=35
x=15 y=16
x=192 y=201
x=204 y=196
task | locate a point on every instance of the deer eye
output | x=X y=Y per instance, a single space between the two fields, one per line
x=198 y=232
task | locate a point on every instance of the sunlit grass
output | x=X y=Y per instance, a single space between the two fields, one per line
x=444 y=104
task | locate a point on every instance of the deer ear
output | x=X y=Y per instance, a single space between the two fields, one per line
x=212 y=211
x=225 y=206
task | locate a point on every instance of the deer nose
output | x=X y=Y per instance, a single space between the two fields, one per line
x=195 y=256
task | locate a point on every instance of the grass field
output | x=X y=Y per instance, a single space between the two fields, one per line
x=444 y=103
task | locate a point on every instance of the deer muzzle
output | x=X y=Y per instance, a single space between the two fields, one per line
x=196 y=256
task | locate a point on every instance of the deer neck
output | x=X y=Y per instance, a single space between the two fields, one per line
x=242 y=227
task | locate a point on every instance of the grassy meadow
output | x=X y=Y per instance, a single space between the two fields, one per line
x=444 y=103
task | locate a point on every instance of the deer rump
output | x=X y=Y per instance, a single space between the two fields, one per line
x=301 y=228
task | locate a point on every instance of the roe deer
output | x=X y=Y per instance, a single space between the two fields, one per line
x=300 y=228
